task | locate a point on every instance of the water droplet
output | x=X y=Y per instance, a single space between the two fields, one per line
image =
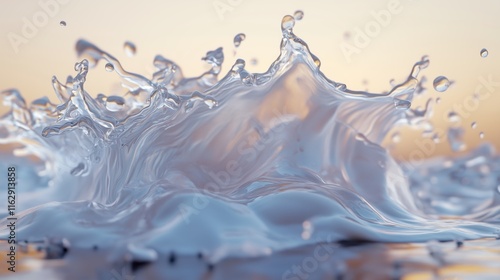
x=129 y=48
x=498 y=189
x=441 y=83
x=453 y=117
x=287 y=23
x=484 y=53
x=62 y=23
x=455 y=135
x=254 y=61
x=473 y=125
x=109 y=67
x=438 y=100
x=481 y=135
x=240 y=37
x=298 y=15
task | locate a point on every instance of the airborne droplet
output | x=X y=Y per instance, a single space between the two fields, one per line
x=62 y=23
x=109 y=67
x=481 y=135
x=484 y=53
x=240 y=37
x=298 y=15
x=473 y=125
x=441 y=83
x=453 y=117
x=129 y=48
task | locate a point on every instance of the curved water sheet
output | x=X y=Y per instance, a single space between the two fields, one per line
x=244 y=166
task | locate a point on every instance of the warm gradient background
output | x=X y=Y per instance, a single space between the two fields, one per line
x=451 y=32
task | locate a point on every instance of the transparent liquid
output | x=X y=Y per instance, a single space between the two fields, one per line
x=248 y=165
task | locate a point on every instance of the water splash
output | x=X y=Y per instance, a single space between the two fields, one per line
x=260 y=162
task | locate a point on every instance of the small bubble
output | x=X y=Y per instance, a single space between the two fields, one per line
x=473 y=125
x=109 y=67
x=62 y=23
x=441 y=83
x=481 y=135
x=298 y=15
x=484 y=53
x=129 y=48
x=240 y=37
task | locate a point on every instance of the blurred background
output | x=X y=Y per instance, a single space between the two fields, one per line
x=364 y=44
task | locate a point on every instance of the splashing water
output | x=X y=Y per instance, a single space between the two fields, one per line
x=258 y=162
